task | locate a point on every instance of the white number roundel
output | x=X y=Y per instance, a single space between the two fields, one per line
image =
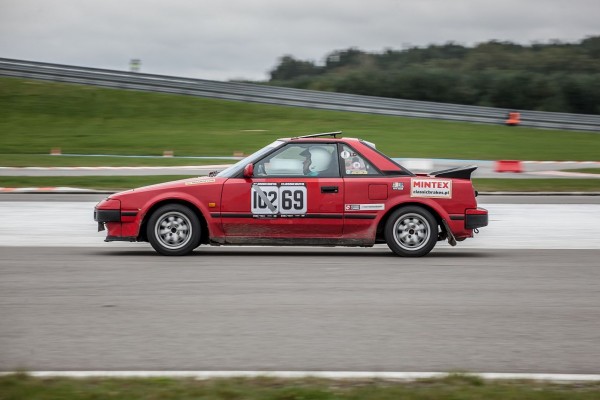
x=284 y=200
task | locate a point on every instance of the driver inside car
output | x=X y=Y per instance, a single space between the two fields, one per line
x=317 y=161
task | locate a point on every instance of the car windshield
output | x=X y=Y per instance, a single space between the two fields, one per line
x=238 y=166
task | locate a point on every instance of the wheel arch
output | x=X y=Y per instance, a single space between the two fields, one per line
x=433 y=210
x=142 y=236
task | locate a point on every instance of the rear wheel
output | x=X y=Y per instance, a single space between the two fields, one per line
x=174 y=230
x=411 y=231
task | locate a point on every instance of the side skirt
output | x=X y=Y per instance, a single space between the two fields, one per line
x=267 y=241
x=121 y=239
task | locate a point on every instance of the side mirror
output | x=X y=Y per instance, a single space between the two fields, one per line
x=248 y=171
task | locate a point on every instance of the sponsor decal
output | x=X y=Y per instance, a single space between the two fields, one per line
x=200 y=181
x=278 y=200
x=433 y=188
x=356 y=172
x=345 y=154
x=364 y=207
x=397 y=186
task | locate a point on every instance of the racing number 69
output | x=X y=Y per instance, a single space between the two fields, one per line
x=292 y=199
x=286 y=200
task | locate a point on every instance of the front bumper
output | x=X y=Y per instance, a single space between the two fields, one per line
x=102 y=216
x=108 y=210
x=121 y=223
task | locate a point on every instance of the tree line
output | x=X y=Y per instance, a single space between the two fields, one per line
x=554 y=76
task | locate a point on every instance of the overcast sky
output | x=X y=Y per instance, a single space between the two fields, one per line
x=234 y=39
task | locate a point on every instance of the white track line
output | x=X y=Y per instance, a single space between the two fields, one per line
x=407 y=376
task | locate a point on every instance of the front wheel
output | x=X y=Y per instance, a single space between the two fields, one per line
x=411 y=231
x=174 y=230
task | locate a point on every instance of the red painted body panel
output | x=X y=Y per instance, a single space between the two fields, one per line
x=323 y=217
x=349 y=209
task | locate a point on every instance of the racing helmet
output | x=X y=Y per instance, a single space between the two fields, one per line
x=320 y=158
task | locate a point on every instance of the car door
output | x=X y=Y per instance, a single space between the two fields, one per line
x=366 y=194
x=284 y=199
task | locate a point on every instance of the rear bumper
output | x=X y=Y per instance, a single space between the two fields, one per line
x=476 y=218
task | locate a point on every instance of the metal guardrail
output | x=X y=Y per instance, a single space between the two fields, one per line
x=290 y=97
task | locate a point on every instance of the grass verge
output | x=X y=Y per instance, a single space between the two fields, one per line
x=536 y=185
x=584 y=170
x=36 y=116
x=22 y=386
x=128 y=182
x=47 y=160
x=87 y=182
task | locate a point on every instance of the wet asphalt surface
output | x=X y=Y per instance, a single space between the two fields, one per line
x=94 y=308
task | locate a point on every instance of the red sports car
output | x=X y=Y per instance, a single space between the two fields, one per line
x=310 y=190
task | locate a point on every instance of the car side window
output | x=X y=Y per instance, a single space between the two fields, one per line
x=300 y=159
x=354 y=164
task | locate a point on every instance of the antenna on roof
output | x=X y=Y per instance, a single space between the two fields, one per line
x=333 y=134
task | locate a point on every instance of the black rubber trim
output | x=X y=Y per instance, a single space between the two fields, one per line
x=215 y=215
x=397 y=173
x=120 y=239
x=473 y=221
x=360 y=216
x=325 y=216
x=234 y=215
x=129 y=213
x=107 y=215
x=315 y=216
x=457 y=217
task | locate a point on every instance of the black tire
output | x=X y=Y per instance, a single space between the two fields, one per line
x=174 y=230
x=411 y=231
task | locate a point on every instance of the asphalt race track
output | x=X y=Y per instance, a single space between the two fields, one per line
x=530 y=304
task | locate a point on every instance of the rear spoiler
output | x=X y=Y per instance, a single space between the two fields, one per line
x=458 y=172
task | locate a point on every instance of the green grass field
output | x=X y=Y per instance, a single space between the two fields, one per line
x=47 y=160
x=110 y=183
x=453 y=387
x=585 y=170
x=36 y=116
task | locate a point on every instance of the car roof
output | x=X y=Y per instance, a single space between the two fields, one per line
x=320 y=139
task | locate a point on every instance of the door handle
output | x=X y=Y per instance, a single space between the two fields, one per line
x=329 y=189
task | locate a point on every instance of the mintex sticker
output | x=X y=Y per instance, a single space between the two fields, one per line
x=364 y=207
x=435 y=188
